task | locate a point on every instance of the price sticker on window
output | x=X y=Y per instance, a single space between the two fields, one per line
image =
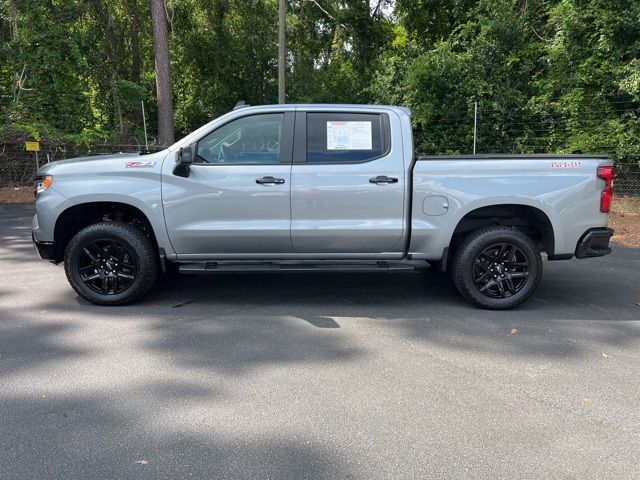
x=349 y=136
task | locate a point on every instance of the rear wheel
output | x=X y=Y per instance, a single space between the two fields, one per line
x=111 y=263
x=497 y=267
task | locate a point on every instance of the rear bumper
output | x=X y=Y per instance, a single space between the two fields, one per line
x=46 y=250
x=594 y=243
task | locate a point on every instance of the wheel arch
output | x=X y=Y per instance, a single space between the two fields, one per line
x=76 y=217
x=530 y=219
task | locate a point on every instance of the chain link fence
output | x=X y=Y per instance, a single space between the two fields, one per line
x=18 y=167
x=627 y=180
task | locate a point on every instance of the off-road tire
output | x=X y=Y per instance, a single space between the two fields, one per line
x=476 y=242
x=134 y=240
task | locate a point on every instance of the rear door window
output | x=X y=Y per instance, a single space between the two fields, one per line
x=346 y=137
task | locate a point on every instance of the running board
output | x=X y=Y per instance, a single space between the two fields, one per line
x=214 y=267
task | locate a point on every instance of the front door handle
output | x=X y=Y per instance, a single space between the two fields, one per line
x=270 y=181
x=383 y=179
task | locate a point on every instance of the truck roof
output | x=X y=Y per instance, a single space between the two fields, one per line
x=318 y=107
x=321 y=106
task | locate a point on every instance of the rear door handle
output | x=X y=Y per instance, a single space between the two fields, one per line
x=383 y=179
x=270 y=181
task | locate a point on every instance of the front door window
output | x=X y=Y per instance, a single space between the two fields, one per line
x=252 y=140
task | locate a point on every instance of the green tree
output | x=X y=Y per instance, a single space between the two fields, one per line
x=548 y=75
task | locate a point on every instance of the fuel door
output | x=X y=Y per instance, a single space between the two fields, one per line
x=435 y=205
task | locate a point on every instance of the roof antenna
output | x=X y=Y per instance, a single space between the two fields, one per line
x=241 y=104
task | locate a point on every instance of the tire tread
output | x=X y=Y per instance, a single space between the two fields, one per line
x=461 y=264
x=144 y=248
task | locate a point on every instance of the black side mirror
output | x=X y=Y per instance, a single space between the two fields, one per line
x=184 y=160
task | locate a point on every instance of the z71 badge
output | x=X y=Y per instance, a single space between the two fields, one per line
x=566 y=164
x=139 y=164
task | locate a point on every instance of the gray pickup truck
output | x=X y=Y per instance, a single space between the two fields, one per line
x=318 y=188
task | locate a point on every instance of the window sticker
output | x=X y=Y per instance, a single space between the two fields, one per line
x=349 y=136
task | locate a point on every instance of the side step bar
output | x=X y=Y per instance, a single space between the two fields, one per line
x=215 y=267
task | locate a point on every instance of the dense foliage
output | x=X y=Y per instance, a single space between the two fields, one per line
x=547 y=75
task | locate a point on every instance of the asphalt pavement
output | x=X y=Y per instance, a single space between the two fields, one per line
x=305 y=376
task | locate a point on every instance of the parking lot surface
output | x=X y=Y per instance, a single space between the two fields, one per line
x=318 y=376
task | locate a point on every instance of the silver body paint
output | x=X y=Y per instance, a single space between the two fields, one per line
x=324 y=211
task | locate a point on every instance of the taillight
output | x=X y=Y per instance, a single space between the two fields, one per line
x=606 y=173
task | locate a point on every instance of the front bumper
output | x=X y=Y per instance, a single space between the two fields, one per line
x=594 y=243
x=46 y=250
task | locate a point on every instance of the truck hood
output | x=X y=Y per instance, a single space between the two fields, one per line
x=102 y=163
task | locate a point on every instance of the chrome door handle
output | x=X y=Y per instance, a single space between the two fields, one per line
x=383 y=179
x=270 y=181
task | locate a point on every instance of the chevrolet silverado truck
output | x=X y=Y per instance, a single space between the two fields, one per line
x=318 y=188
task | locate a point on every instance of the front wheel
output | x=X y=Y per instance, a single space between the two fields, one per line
x=497 y=267
x=111 y=263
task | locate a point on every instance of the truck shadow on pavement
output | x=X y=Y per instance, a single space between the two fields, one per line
x=235 y=322
x=580 y=305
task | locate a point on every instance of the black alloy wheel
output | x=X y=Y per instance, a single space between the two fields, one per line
x=106 y=266
x=111 y=263
x=501 y=270
x=497 y=267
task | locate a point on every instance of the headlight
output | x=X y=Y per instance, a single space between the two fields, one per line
x=43 y=183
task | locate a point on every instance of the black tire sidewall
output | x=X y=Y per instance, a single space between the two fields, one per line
x=483 y=240
x=131 y=241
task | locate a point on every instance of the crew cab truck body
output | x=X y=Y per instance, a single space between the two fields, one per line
x=318 y=187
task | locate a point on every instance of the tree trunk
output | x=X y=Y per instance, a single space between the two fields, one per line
x=13 y=13
x=163 y=73
x=136 y=58
x=282 y=13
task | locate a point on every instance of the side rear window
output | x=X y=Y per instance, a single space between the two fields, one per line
x=346 y=137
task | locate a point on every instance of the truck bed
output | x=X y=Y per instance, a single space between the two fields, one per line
x=561 y=189
x=515 y=156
